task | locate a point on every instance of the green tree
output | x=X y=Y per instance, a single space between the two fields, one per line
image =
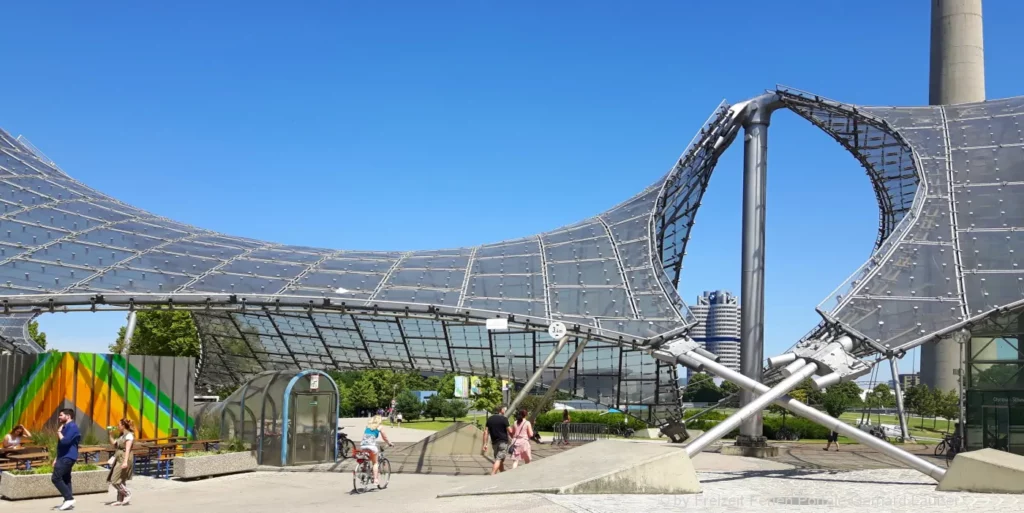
x=913 y=399
x=161 y=333
x=409 y=405
x=938 y=403
x=702 y=389
x=431 y=383
x=851 y=390
x=836 y=401
x=364 y=397
x=533 y=404
x=949 y=406
x=455 y=409
x=490 y=395
x=929 y=404
x=347 y=409
x=386 y=384
x=434 y=407
x=346 y=377
x=446 y=387
x=39 y=337
x=883 y=397
x=799 y=395
x=730 y=389
x=811 y=396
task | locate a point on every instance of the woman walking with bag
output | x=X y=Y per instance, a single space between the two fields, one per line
x=122 y=464
x=522 y=431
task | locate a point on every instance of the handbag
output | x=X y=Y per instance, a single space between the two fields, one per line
x=512 y=445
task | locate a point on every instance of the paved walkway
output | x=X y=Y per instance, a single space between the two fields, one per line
x=848 y=457
x=738 y=484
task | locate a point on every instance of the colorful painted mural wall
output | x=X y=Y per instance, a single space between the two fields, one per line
x=154 y=391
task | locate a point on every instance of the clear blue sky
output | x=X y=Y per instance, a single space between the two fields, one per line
x=411 y=125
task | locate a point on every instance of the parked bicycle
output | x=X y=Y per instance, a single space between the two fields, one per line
x=952 y=445
x=346 y=447
x=784 y=433
x=947 y=443
x=624 y=431
x=362 y=476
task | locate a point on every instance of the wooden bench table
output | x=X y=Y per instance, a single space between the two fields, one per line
x=28 y=459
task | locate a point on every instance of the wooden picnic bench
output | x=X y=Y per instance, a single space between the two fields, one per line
x=94 y=453
x=24 y=461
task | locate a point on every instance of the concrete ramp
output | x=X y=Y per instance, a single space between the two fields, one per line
x=985 y=471
x=458 y=439
x=602 y=467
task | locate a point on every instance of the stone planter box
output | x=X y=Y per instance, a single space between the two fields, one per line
x=214 y=465
x=38 y=486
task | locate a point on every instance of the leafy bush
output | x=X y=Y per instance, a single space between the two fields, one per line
x=197 y=454
x=47 y=469
x=46 y=437
x=804 y=428
x=233 y=445
x=711 y=415
x=547 y=421
x=209 y=429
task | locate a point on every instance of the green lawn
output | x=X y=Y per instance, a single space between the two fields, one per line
x=941 y=426
x=439 y=424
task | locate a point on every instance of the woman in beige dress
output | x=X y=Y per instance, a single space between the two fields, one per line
x=123 y=463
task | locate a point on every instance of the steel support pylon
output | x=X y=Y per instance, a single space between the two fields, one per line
x=536 y=375
x=692 y=358
x=129 y=332
x=898 y=390
x=553 y=387
x=755 y=175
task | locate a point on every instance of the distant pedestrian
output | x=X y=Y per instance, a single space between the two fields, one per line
x=522 y=431
x=496 y=431
x=124 y=465
x=566 y=420
x=68 y=438
x=833 y=438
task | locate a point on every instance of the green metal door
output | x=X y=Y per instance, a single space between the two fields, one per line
x=996 y=429
x=310 y=432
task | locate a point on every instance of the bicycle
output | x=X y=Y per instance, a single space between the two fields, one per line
x=362 y=475
x=947 y=442
x=953 y=446
x=346 y=446
x=786 y=434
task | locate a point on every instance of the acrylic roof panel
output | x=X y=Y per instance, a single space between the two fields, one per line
x=238 y=346
x=615 y=273
x=952 y=179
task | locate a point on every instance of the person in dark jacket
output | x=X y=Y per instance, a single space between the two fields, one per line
x=68 y=438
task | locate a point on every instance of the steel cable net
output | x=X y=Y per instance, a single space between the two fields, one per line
x=263 y=306
x=945 y=179
x=954 y=256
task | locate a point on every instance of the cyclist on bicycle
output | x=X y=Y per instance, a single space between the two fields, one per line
x=369 y=442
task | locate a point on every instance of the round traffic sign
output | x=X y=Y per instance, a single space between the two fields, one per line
x=556 y=330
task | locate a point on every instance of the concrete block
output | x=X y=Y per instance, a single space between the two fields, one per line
x=214 y=465
x=986 y=471
x=601 y=467
x=38 y=486
x=751 y=452
x=649 y=433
